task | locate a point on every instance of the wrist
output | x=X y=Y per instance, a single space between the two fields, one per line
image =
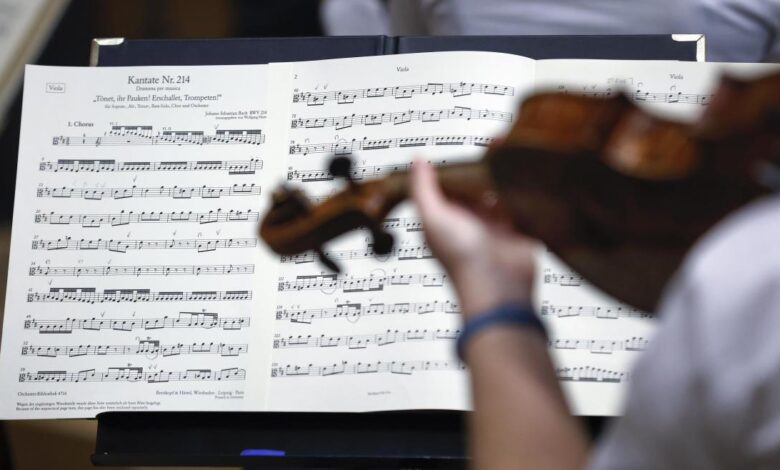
x=501 y=317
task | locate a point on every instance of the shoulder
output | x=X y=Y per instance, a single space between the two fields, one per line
x=740 y=254
x=724 y=310
x=730 y=282
x=706 y=394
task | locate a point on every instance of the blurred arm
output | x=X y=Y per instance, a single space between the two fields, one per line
x=520 y=417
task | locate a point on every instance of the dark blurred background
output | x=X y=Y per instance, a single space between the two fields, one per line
x=69 y=40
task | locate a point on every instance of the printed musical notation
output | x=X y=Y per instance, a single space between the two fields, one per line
x=597 y=346
x=175 y=192
x=161 y=270
x=233 y=167
x=376 y=367
x=364 y=341
x=591 y=374
x=329 y=283
x=401 y=92
x=565 y=374
x=133 y=374
x=145 y=135
x=600 y=312
x=562 y=279
x=145 y=347
x=358 y=172
x=91 y=295
x=403 y=117
x=121 y=246
x=346 y=147
x=409 y=224
x=401 y=253
x=671 y=97
x=354 y=311
x=161 y=217
x=204 y=320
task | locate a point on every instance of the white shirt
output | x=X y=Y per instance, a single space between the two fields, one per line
x=706 y=394
x=736 y=30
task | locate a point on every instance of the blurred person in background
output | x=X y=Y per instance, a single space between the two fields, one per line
x=736 y=30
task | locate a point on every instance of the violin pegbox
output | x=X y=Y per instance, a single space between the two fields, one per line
x=341 y=167
x=289 y=204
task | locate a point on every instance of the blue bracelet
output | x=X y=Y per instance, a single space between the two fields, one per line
x=518 y=314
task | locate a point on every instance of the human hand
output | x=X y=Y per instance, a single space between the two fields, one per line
x=488 y=263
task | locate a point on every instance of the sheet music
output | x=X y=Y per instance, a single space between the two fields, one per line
x=135 y=281
x=381 y=335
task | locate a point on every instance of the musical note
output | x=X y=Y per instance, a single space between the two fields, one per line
x=91 y=295
x=133 y=374
x=401 y=253
x=561 y=279
x=403 y=117
x=375 y=367
x=364 y=341
x=233 y=167
x=600 y=312
x=591 y=374
x=401 y=92
x=409 y=224
x=161 y=217
x=175 y=192
x=145 y=347
x=145 y=135
x=370 y=283
x=358 y=172
x=346 y=147
x=161 y=270
x=203 y=320
x=671 y=97
x=353 y=311
x=201 y=245
x=597 y=346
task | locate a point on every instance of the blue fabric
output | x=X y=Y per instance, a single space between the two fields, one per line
x=514 y=313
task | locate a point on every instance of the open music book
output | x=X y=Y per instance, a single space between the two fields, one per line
x=136 y=280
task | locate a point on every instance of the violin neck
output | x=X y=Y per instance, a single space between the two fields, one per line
x=469 y=183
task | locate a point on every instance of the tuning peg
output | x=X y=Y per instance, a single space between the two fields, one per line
x=383 y=241
x=327 y=261
x=341 y=167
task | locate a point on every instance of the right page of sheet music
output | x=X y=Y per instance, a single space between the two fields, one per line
x=594 y=338
x=381 y=335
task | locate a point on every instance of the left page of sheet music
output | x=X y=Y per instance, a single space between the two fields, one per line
x=136 y=280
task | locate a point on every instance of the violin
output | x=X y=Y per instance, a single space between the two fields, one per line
x=617 y=193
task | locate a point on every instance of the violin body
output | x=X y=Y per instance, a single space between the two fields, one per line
x=618 y=194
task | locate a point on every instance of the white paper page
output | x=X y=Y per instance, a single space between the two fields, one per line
x=381 y=335
x=596 y=339
x=136 y=281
